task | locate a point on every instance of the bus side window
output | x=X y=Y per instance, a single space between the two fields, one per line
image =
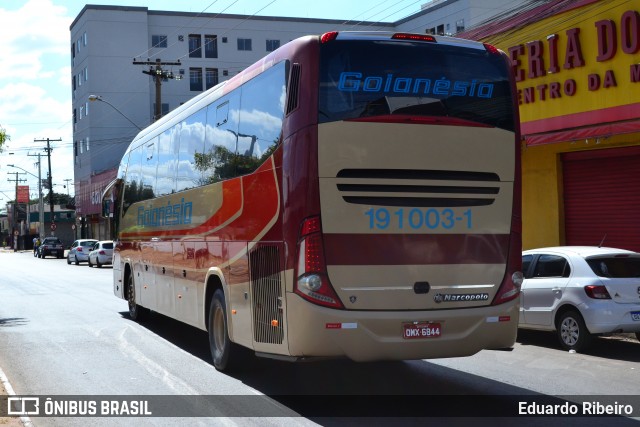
x=261 y=114
x=167 y=164
x=217 y=161
x=133 y=179
x=192 y=132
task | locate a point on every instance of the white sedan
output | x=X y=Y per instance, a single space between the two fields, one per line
x=101 y=253
x=579 y=292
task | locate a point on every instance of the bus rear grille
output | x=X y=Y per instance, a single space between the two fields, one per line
x=266 y=290
x=418 y=188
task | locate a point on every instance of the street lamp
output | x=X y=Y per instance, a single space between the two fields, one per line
x=99 y=98
x=40 y=198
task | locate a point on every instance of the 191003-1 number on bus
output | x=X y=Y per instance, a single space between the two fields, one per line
x=422 y=330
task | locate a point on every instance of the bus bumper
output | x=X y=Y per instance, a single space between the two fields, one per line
x=315 y=331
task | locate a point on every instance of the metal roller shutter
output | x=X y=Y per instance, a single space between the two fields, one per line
x=602 y=197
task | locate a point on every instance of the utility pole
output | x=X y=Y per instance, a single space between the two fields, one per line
x=40 y=198
x=158 y=75
x=50 y=183
x=67 y=185
x=16 y=231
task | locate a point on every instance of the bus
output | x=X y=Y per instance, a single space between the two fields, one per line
x=354 y=195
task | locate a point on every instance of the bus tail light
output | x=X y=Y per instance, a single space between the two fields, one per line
x=513 y=278
x=327 y=37
x=414 y=37
x=491 y=49
x=312 y=281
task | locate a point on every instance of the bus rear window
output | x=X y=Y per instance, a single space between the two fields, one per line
x=360 y=79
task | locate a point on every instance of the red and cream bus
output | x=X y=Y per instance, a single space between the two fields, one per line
x=351 y=195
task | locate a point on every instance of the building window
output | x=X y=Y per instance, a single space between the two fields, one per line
x=195 y=79
x=225 y=72
x=272 y=45
x=440 y=30
x=86 y=109
x=224 y=40
x=210 y=46
x=195 y=46
x=244 y=44
x=158 y=41
x=87 y=144
x=84 y=39
x=459 y=25
x=81 y=112
x=86 y=74
x=211 y=77
x=431 y=31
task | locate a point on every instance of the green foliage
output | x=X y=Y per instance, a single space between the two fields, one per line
x=4 y=137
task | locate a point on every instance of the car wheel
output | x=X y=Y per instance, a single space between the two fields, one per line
x=68 y=260
x=89 y=263
x=226 y=355
x=98 y=263
x=136 y=312
x=76 y=260
x=572 y=331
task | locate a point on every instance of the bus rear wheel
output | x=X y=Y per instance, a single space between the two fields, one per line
x=136 y=312
x=226 y=354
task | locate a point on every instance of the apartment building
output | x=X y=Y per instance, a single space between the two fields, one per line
x=117 y=52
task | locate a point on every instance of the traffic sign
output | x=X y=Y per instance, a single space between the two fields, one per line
x=53 y=226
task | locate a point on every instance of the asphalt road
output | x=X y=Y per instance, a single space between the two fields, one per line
x=63 y=333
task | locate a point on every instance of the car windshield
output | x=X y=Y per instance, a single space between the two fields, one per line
x=620 y=266
x=51 y=242
x=89 y=243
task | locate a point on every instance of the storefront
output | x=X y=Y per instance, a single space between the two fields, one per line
x=577 y=67
x=89 y=221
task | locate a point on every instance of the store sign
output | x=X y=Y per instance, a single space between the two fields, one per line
x=577 y=67
x=23 y=194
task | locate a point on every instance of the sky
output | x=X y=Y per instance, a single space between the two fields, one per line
x=35 y=64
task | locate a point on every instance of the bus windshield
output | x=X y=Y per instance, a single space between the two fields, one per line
x=365 y=79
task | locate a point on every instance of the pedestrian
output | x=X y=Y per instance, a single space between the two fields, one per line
x=36 y=244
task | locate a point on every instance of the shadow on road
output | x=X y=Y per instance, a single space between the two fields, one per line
x=342 y=392
x=13 y=321
x=616 y=347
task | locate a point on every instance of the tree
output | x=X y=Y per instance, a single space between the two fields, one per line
x=3 y=137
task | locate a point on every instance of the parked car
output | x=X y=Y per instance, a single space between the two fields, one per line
x=79 y=251
x=101 y=253
x=579 y=292
x=51 y=246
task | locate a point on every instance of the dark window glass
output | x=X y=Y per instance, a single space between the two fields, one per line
x=107 y=245
x=551 y=266
x=158 y=41
x=195 y=79
x=272 y=45
x=195 y=46
x=365 y=79
x=244 y=44
x=526 y=263
x=210 y=46
x=615 y=267
x=211 y=77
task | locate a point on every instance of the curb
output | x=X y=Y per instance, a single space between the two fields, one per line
x=26 y=421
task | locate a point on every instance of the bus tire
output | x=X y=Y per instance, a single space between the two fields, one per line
x=136 y=312
x=226 y=355
x=572 y=331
